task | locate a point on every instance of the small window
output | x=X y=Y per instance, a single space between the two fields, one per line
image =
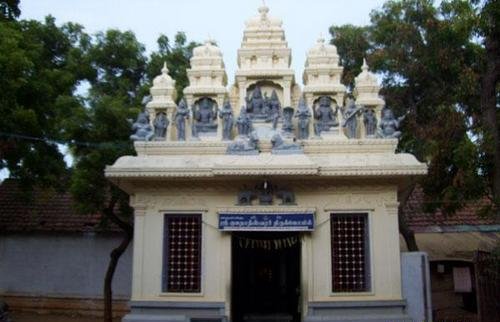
x=182 y=254
x=350 y=260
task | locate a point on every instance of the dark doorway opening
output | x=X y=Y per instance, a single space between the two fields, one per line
x=265 y=276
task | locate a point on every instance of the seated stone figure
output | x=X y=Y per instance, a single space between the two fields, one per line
x=244 y=145
x=389 y=125
x=281 y=147
x=205 y=116
x=143 y=131
x=255 y=103
x=325 y=115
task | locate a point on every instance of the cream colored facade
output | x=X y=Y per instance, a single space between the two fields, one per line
x=332 y=175
x=324 y=197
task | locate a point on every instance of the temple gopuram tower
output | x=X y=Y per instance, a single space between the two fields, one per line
x=265 y=202
x=264 y=60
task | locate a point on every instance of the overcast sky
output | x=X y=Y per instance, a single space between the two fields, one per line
x=222 y=20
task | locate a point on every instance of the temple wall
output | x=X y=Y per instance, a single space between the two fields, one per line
x=379 y=201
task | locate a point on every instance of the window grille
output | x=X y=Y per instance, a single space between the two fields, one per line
x=182 y=254
x=349 y=243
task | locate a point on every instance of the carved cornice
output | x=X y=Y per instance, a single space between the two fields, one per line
x=322 y=165
x=311 y=146
x=180 y=148
x=333 y=172
x=261 y=171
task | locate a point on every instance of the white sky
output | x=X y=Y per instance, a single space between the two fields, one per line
x=222 y=20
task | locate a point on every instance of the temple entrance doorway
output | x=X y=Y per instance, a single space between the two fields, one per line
x=265 y=276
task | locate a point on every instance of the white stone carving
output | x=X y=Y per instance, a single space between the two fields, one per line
x=322 y=73
x=162 y=97
x=264 y=55
x=367 y=89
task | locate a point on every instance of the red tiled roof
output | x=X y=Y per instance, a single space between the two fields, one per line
x=44 y=211
x=418 y=220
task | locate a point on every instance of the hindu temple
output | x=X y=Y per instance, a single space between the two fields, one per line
x=266 y=199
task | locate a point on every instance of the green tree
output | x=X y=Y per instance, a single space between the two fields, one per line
x=431 y=64
x=489 y=30
x=122 y=76
x=9 y=9
x=41 y=68
x=352 y=44
x=119 y=65
x=177 y=58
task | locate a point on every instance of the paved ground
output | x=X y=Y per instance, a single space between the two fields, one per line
x=33 y=317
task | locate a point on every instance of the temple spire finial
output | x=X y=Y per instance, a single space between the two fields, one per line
x=263 y=10
x=321 y=39
x=365 y=65
x=164 y=69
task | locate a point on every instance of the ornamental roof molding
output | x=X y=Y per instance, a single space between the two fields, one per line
x=207 y=74
x=263 y=21
x=319 y=147
x=263 y=46
x=208 y=49
x=322 y=72
x=322 y=54
x=163 y=90
x=353 y=165
x=367 y=88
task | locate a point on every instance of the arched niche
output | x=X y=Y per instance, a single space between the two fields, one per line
x=326 y=113
x=266 y=87
x=205 y=111
x=333 y=101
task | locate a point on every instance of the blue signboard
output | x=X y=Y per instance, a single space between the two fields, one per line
x=266 y=222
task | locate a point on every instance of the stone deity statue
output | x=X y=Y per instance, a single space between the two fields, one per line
x=205 y=115
x=274 y=109
x=287 y=126
x=350 y=122
x=180 y=117
x=244 y=123
x=143 y=131
x=244 y=145
x=194 y=126
x=370 y=122
x=226 y=114
x=255 y=104
x=304 y=116
x=279 y=146
x=160 y=124
x=325 y=115
x=266 y=107
x=389 y=124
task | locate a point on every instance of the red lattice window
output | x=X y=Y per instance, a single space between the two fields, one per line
x=350 y=269
x=182 y=254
